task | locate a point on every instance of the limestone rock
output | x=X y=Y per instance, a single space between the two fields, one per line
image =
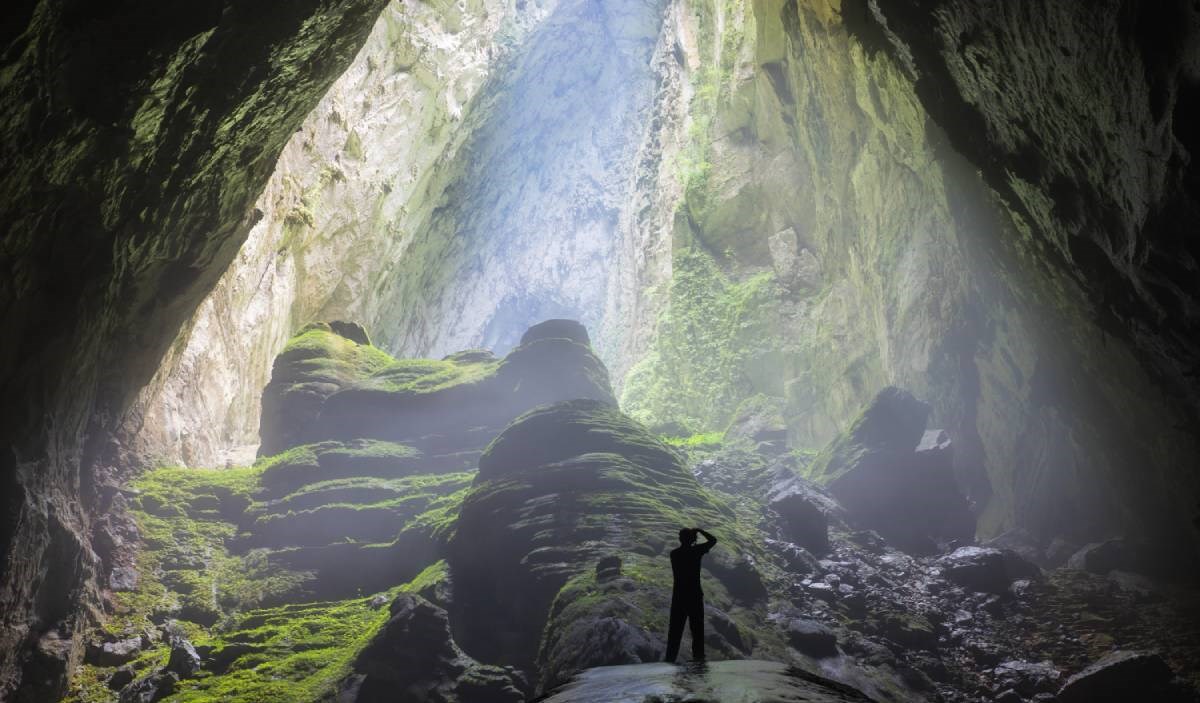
x=114 y=653
x=552 y=434
x=804 y=510
x=325 y=386
x=120 y=678
x=183 y=660
x=894 y=477
x=557 y=329
x=759 y=419
x=151 y=688
x=811 y=637
x=985 y=569
x=1124 y=676
x=1028 y=678
x=414 y=656
x=749 y=681
x=1109 y=555
x=562 y=487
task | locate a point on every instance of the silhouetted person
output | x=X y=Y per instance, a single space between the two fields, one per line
x=687 y=600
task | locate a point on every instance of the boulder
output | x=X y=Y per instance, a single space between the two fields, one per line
x=893 y=477
x=1124 y=676
x=120 y=678
x=557 y=329
x=414 y=644
x=152 y=687
x=350 y=330
x=1027 y=678
x=738 y=574
x=985 y=569
x=608 y=568
x=1020 y=541
x=721 y=631
x=414 y=656
x=811 y=637
x=123 y=578
x=183 y=660
x=1106 y=556
x=803 y=509
x=759 y=418
x=114 y=653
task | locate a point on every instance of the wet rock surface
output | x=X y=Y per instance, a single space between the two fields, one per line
x=748 y=681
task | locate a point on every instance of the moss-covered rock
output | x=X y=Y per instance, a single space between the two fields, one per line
x=561 y=488
x=554 y=433
x=316 y=363
x=414 y=653
x=326 y=386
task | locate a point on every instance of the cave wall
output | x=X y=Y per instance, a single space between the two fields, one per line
x=534 y=207
x=831 y=238
x=805 y=200
x=135 y=139
x=1082 y=118
x=341 y=207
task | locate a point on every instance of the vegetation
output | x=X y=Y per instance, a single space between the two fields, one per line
x=712 y=328
x=199 y=567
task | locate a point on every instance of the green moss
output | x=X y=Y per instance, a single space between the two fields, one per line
x=429 y=578
x=317 y=354
x=353 y=148
x=702 y=440
x=297 y=652
x=710 y=332
x=419 y=376
x=200 y=579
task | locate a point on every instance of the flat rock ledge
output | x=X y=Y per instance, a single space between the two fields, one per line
x=742 y=681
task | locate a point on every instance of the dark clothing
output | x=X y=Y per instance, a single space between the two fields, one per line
x=691 y=610
x=687 y=600
x=685 y=567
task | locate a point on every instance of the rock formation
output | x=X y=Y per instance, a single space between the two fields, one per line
x=769 y=210
x=142 y=137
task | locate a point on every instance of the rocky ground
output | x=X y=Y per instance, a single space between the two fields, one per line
x=484 y=529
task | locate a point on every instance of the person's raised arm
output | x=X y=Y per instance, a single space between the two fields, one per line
x=709 y=540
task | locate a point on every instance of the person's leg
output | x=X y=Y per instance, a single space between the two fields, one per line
x=696 y=616
x=674 y=630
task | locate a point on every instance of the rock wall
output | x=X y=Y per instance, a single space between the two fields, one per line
x=536 y=207
x=344 y=202
x=135 y=140
x=1100 y=179
x=831 y=239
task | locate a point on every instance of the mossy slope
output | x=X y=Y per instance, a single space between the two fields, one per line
x=561 y=488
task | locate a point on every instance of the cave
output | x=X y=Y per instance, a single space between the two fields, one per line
x=378 y=350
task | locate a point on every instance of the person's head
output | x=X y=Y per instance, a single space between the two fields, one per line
x=687 y=536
